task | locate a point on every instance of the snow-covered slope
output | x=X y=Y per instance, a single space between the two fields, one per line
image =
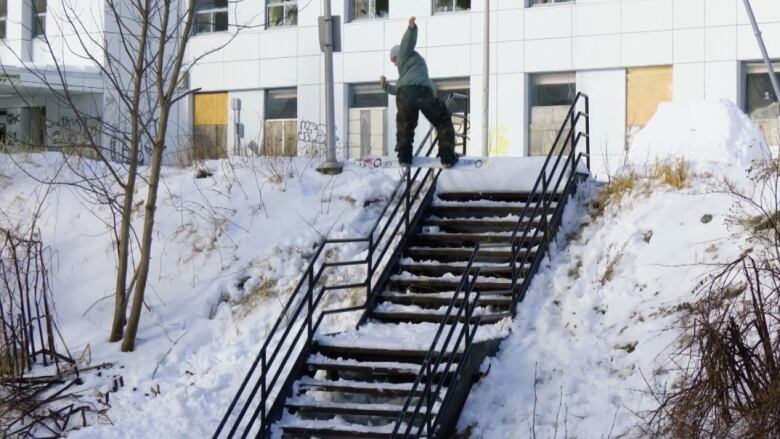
x=228 y=249
x=594 y=335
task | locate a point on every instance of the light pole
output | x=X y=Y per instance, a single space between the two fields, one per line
x=757 y=32
x=327 y=41
x=486 y=83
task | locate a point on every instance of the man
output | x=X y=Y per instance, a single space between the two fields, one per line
x=414 y=93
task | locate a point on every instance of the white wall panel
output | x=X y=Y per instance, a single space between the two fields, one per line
x=688 y=82
x=720 y=12
x=595 y=52
x=647 y=15
x=548 y=22
x=720 y=43
x=548 y=55
x=721 y=80
x=596 y=18
x=688 y=45
x=688 y=13
x=647 y=48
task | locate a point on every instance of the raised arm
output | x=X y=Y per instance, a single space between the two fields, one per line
x=408 y=42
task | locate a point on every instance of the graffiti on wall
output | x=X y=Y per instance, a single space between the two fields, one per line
x=499 y=143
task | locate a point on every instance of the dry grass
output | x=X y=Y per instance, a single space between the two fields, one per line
x=674 y=173
x=613 y=192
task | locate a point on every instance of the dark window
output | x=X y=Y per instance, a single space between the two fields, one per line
x=281 y=104
x=544 y=2
x=551 y=96
x=39 y=18
x=367 y=9
x=3 y=17
x=212 y=16
x=281 y=13
x=367 y=96
x=461 y=87
x=451 y=5
x=761 y=102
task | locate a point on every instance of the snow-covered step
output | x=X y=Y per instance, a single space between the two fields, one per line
x=427 y=268
x=435 y=300
x=493 y=196
x=435 y=239
x=320 y=362
x=393 y=313
x=343 y=346
x=410 y=282
x=446 y=254
x=476 y=225
x=479 y=211
x=311 y=406
x=358 y=387
x=294 y=427
x=491 y=203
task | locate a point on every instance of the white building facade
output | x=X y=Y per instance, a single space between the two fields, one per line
x=263 y=93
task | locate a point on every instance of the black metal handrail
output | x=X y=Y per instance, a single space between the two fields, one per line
x=248 y=412
x=440 y=359
x=545 y=190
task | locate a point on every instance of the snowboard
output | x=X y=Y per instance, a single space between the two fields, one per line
x=464 y=163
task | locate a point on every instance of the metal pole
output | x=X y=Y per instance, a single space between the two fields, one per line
x=757 y=32
x=486 y=83
x=331 y=166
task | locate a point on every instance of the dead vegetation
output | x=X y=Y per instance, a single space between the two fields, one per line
x=617 y=188
x=673 y=173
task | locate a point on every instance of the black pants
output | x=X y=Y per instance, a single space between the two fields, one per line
x=412 y=99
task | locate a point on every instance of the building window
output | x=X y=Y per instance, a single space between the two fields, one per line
x=551 y=96
x=460 y=107
x=212 y=16
x=368 y=9
x=281 y=13
x=546 y=2
x=3 y=17
x=451 y=5
x=39 y=18
x=761 y=102
x=367 y=121
x=210 y=125
x=281 y=122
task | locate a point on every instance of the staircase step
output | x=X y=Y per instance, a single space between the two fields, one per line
x=359 y=387
x=371 y=354
x=469 y=239
x=423 y=317
x=309 y=406
x=436 y=300
x=418 y=283
x=446 y=254
x=492 y=196
x=475 y=225
x=310 y=429
x=438 y=269
x=476 y=211
x=318 y=362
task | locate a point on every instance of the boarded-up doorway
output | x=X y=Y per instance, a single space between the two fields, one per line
x=646 y=88
x=210 y=120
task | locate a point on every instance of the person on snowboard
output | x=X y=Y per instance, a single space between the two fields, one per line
x=414 y=93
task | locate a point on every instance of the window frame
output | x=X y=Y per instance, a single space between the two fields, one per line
x=757 y=68
x=285 y=4
x=212 y=12
x=352 y=8
x=534 y=4
x=39 y=19
x=268 y=96
x=453 y=3
x=369 y=88
x=4 y=20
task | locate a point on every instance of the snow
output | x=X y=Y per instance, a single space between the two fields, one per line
x=597 y=328
x=707 y=131
x=228 y=250
x=501 y=174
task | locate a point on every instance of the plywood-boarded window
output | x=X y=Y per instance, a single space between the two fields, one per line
x=210 y=120
x=280 y=136
x=646 y=88
x=551 y=96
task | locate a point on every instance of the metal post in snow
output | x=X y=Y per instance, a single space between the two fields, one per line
x=762 y=47
x=331 y=165
x=486 y=83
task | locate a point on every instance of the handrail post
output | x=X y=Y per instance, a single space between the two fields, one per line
x=369 y=265
x=587 y=132
x=263 y=391
x=572 y=135
x=408 y=196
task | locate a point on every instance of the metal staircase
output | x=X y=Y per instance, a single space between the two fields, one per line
x=441 y=269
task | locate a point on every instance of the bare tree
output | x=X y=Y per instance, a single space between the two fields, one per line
x=140 y=50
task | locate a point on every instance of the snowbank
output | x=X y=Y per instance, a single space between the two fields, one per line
x=708 y=131
x=227 y=250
